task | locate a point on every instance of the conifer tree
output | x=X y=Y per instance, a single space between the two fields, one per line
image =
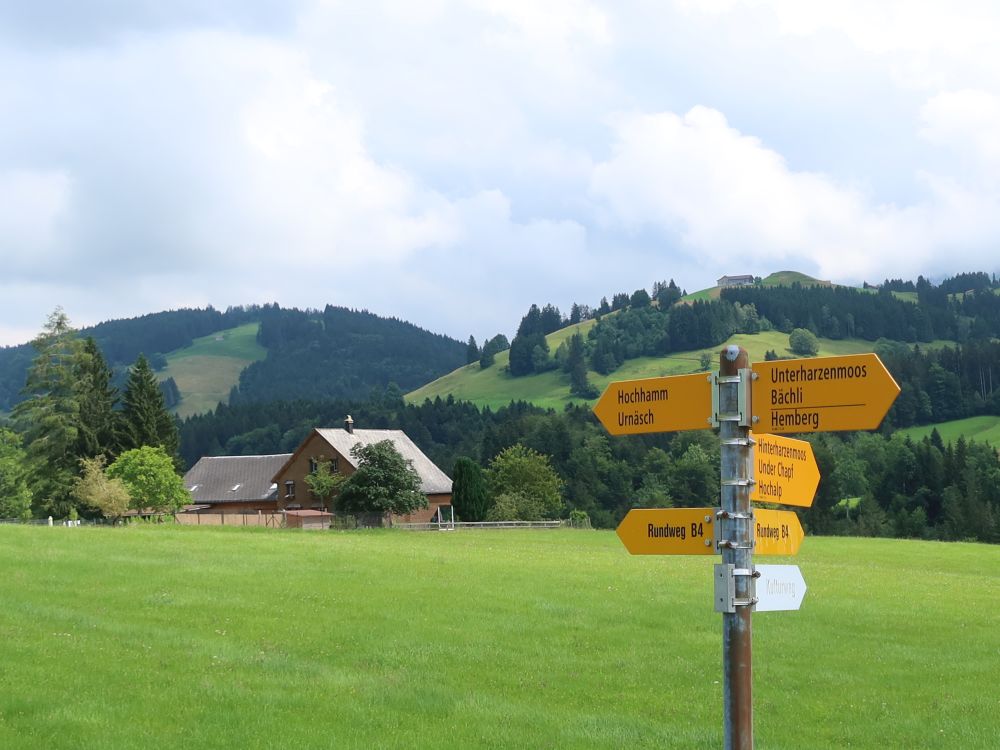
x=15 y=498
x=471 y=351
x=145 y=419
x=98 y=426
x=470 y=495
x=576 y=365
x=48 y=419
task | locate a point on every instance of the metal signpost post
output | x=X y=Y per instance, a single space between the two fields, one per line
x=804 y=395
x=736 y=542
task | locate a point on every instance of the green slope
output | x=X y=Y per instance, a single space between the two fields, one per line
x=494 y=387
x=984 y=429
x=207 y=370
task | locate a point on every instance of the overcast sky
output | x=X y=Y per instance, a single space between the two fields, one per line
x=450 y=162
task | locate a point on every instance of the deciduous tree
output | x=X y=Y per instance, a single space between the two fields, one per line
x=384 y=482
x=94 y=488
x=521 y=471
x=802 y=341
x=324 y=481
x=148 y=474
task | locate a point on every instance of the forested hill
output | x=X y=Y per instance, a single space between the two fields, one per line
x=343 y=353
x=121 y=341
x=332 y=353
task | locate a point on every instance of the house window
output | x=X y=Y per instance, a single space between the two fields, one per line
x=334 y=464
x=290 y=488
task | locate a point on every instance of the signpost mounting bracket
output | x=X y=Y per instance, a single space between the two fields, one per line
x=725 y=588
x=742 y=416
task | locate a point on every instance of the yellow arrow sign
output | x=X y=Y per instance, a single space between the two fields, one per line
x=668 y=531
x=776 y=532
x=784 y=470
x=667 y=404
x=821 y=394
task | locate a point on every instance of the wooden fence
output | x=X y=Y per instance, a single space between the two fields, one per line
x=270 y=520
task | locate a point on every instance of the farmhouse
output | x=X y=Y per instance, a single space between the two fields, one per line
x=277 y=483
x=334 y=445
x=234 y=484
x=729 y=281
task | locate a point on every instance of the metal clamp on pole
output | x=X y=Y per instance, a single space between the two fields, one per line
x=724 y=514
x=725 y=588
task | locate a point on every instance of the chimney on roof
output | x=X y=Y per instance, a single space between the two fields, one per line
x=349 y=424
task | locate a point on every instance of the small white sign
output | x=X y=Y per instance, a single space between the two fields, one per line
x=779 y=588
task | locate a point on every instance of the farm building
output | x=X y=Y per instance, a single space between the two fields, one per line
x=276 y=483
x=334 y=445
x=234 y=484
x=729 y=281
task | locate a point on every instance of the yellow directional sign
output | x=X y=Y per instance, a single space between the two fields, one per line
x=667 y=404
x=776 y=532
x=784 y=470
x=668 y=531
x=821 y=394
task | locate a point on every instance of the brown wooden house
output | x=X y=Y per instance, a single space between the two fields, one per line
x=334 y=445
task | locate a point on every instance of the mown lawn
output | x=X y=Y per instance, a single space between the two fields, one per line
x=243 y=638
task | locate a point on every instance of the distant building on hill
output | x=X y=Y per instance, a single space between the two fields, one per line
x=728 y=281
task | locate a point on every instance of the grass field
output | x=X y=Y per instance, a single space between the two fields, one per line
x=211 y=366
x=213 y=638
x=984 y=429
x=494 y=388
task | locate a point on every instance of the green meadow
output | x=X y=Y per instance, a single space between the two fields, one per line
x=207 y=370
x=983 y=429
x=494 y=387
x=182 y=637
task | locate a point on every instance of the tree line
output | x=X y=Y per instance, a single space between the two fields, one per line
x=73 y=421
x=310 y=353
x=964 y=308
x=872 y=483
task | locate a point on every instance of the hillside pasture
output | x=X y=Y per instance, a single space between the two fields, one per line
x=207 y=370
x=494 y=387
x=982 y=429
x=180 y=637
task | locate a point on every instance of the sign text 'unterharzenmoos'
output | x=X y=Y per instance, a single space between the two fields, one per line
x=821 y=394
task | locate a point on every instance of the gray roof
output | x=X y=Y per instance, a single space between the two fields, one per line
x=433 y=481
x=213 y=478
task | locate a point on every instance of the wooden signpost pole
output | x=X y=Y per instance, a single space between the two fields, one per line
x=736 y=543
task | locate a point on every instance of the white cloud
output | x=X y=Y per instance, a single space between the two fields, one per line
x=734 y=202
x=928 y=44
x=451 y=161
x=35 y=203
x=967 y=121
